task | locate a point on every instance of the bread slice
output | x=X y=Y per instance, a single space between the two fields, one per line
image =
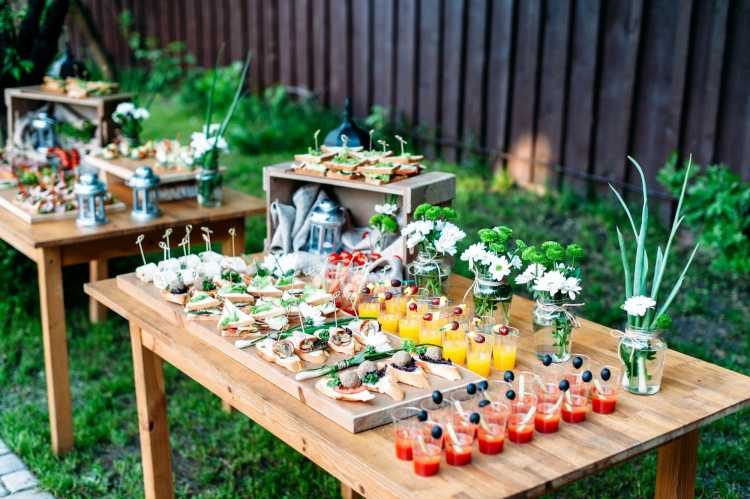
x=342 y=176
x=295 y=284
x=265 y=351
x=314 y=356
x=304 y=170
x=363 y=395
x=447 y=371
x=388 y=386
x=338 y=149
x=380 y=169
x=178 y=298
x=404 y=159
x=416 y=378
x=263 y=310
x=235 y=293
x=372 y=157
x=233 y=321
x=200 y=300
x=314 y=158
x=269 y=291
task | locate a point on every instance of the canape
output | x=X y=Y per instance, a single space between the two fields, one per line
x=404 y=369
x=236 y=293
x=378 y=379
x=377 y=174
x=280 y=352
x=341 y=340
x=313 y=169
x=433 y=362
x=309 y=348
x=344 y=386
x=234 y=321
x=314 y=157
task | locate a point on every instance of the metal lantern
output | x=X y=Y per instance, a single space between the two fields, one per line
x=43 y=135
x=326 y=222
x=357 y=136
x=91 y=195
x=145 y=186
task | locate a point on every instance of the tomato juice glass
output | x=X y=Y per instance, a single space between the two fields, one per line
x=405 y=426
x=604 y=391
x=462 y=405
x=521 y=419
x=459 y=442
x=437 y=414
x=575 y=403
x=426 y=455
x=549 y=398
x=492 y=427
x=526 y=382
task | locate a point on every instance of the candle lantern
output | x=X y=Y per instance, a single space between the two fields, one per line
x=43 y=134
x=145 y=186
x=326 y=222
x=91 y=196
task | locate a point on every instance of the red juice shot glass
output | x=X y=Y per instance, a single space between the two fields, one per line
x=437 y=414
x=459 y=442
x=462 y=405
x=604 y=392
x=575 y=404
x=405 y=426
x=549 y=398
x=521 y=419
x=427 y=452
x=492 y=427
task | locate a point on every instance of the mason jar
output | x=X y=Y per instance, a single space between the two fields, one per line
x=430 y=273
x=642 y=353
x=491 y=300
x=553 y=329
x=210 y=183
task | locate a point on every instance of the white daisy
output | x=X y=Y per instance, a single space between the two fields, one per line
x=551 y=282
x=638 y=305
x=532 y=272
x=449 y=237
x=474 y=253
x=499 y=268
x=386 y=208
x=571 y=287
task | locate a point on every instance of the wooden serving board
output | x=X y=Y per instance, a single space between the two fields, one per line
x=124 y=168
x=352 y=416
x=8 y=201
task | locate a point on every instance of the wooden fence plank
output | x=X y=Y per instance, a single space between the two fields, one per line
x=321 y=44
x=453 y=51
x=474 y=104
x=499 y=74
x=525 y=80
x=287 y=67
x=382 y=39
x=582 y=92
x=270 y=43
x=621 y=37
x=407 y=32
x=704 y=80
x=361 y=62
x=429 y=57
x=549 y=138
x=303 y=43
x=340 y=53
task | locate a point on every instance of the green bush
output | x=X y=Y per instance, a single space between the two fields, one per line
x=275 y=120
x=717 y=208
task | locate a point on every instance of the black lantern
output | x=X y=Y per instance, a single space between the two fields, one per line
x=357 y=136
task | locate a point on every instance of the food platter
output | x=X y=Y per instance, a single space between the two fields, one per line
x=9 y=202
x=352 y=416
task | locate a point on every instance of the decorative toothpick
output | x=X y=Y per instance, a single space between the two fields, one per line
x=403 y=143
x=315 y=136
x=166 y=235
x=188 y=230
x=164 y=249
x=370 y=133
x=207 y=237
x=139 y=242
x=344 y=141
x=232 y=233
x=184 y=244
x=384 y=144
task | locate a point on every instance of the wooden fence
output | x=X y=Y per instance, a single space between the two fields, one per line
x=560 y=90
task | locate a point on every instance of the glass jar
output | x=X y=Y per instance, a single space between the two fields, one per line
x=553 y=329
x=491 y=300
x=430 y=272
x=642 y=352
x=210 y=184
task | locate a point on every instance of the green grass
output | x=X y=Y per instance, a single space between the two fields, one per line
x=220 y=455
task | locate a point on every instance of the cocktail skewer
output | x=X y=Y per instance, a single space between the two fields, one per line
x=139 y=242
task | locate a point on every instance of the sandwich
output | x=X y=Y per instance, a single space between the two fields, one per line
x=345 y=386
x=372 y=156
x=234 y=321
x=432 y=362
x=408 y=170
x=341 y=340
x=403 y=158
x=264 y=310
x=404 y=369
x=377 y=174
x=236 y=293
x=309 y=348
x=312 y=169
x=377 y=379
x=314 y=157
x=288 y=282
x=280 y=352
x=343 y=166
x=339 y=149
x=200 y=300
x=263 y=286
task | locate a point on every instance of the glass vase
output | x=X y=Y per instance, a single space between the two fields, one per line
x=430 y=273
x=553 y=329
x=491 y=300
x=642 y=352
x=210 y=184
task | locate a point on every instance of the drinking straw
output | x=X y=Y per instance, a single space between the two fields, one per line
x=558 y=403
x=420 y=442
x=139 y=242
x=460 y=409
x=598 y=386
x=529 y=415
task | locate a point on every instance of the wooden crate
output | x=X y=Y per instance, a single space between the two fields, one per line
x=21 y=100
x=281 y=181
x=352 y=416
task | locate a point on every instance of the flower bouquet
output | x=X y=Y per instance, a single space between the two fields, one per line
x=209 y=143
x=641 y=348
x=493 y=260
x=129 y=119
x=435 y=238
x=553 y=276
x=384 y=224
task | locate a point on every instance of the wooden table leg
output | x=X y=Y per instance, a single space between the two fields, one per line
x=98 y=270
x=49 y=270
x=675 y=468
x=152 y=419
x=349 y=493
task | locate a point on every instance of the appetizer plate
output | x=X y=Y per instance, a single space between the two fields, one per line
x=352 y=416
x=8 y=201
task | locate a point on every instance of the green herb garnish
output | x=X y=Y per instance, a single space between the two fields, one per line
x=371 y=378
x=333 y=380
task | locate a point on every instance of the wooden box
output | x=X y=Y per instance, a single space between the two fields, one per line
x=281 y=181
x=98 y=110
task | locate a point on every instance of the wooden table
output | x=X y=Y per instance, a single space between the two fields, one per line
x=54 y=245
x=694 y=394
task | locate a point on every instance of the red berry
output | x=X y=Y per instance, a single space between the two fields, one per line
x=455 y=325
x=365 y=290
x=388 y=295
x=412 y=306
x=414 y=290
x=458 y=311
x=504 y=330
x=395 y=283
x=478 y=338
x=436 y=301
x=427 y=316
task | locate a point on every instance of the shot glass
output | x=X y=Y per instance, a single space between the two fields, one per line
x=526 y=382
x=459 y=440
x=408 y=328
x=454 y=344
x=606 y=381
x=389 y=322
x=462 y=405
x=405 y=427
x=438 y=414
x=492 y=426
x=505 y=347
x=521 y=419
x=549 y=398
x=575 y=404
x=426 y=452
x=479 y=353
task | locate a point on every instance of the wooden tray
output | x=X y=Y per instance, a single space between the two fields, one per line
x=8 y=201
x=352 y=416
x=123 y=168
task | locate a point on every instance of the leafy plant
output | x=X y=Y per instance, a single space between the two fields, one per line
x=718 y=209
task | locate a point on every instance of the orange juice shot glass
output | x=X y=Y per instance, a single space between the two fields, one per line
x=454 y=342
x=479 y=353
x=492 y=426
x=429 y=331
x=606 y=382
x=505 y=347
x=575 y=404
x=368 y=304
x=405 y=426
x=521 y=418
